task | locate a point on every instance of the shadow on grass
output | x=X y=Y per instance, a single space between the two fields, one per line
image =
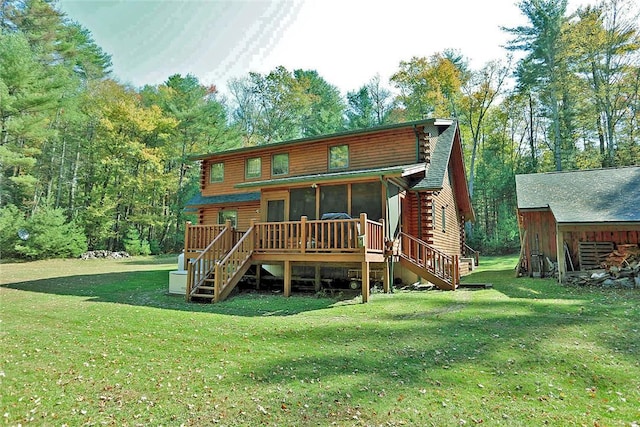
x=150 y=289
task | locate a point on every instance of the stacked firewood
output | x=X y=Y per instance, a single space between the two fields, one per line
x=620 y=269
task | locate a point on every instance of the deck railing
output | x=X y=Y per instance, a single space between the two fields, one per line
x=304 y=236
x=317 y=236
x=228 y=267
x=437 y=262
x=198 y=237
x=375 y=236
x=199 y=269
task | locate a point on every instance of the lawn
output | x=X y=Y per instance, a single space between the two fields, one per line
x=100 y=342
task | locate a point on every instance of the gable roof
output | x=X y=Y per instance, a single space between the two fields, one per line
x=434 y=178
x=448 y=154
x=412 y=124
x=586 y=196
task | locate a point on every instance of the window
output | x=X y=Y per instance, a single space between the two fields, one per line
x=333 y=199
x=217 y=172
x=253 y=168
x=366 y=198
x=302 y=202
x=339 y=157
x=224 y=215
x=280 y=164
x=444 y=219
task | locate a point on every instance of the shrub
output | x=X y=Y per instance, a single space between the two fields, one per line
x=133 y=245
x=50 y=236
x=11 y=222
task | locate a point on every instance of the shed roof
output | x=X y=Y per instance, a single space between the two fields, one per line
x=586 y=196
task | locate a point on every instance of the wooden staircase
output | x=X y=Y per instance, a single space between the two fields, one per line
x=427 y=262
x=214 y=274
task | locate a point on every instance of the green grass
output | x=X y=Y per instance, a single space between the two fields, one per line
x=101 y=343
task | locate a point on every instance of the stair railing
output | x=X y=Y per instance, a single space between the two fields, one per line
x=227 y=268
x=426 y=256
x=199 y=269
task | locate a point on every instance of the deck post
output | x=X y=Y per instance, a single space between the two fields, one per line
x=316 y=281
x=365 y=281
x=187 y=230
x=258 y=275
x=217 y=283
x=385 y=278
x=303 y=234
x=287 y=278
x=363 y=233
x=230 y=243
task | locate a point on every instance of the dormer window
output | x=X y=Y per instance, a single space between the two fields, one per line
x=216 y=172
x=338 y=157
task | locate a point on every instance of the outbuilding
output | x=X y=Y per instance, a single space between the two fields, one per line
x=576 y=218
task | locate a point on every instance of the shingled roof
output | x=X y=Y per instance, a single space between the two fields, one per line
x=434 y=178
x=199 y=200
x=586 y=196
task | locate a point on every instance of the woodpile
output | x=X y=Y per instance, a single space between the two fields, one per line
x=619 y=269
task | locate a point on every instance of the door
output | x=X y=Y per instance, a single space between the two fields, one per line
x=275 y=206
x=275 y=210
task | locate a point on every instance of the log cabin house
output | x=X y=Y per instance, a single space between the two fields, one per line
x=381 y=204
x=581 y=215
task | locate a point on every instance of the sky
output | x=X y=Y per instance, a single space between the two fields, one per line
x=347 y=41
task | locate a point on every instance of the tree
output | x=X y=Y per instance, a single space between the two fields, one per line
x=428 y=86
x=371 y=105
x=480 y=91
x=603 y=45
x=326 y=107
x=543 y=65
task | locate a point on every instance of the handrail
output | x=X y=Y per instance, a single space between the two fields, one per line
x=476 y=254
x=436 y=262
x=226 y=268
x=197 y=237
x=199 y=268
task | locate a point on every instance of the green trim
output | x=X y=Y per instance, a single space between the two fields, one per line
x=334 y=176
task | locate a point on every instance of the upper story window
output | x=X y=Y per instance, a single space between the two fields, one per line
x=280 y=164
x=253 y=168
x=216 y=172
x=338 y=157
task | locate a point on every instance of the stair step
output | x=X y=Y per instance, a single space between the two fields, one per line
x=202 y=296
x=206 y=288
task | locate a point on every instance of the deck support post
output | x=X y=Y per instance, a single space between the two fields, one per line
x=287 y=278
x=316 y=281
x=365 y=281
x=258 y=275
x=303 y=234
x=386 y=280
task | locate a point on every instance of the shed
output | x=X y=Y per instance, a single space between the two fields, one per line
x=581 y=215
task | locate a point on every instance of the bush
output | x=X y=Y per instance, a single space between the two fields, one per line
x=11 y=222
x=133 y=245
x=50 y=236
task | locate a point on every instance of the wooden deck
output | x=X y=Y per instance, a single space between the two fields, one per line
x=217 y=256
